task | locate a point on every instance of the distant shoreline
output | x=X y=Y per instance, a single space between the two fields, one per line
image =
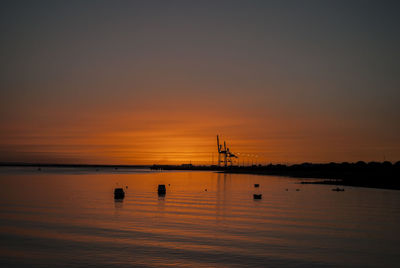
x=16 y=164
x=384 y=175
x=354 y=179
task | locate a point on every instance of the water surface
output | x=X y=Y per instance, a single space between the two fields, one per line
x=57 y=217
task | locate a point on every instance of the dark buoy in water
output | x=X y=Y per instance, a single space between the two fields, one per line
x=297 y=190
x=338 y=189
x=257 y=196
x=161 y=189
x=287 y=189
x=119 y=193
x=256 y=185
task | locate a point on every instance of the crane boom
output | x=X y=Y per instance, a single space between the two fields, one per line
x=225 y=153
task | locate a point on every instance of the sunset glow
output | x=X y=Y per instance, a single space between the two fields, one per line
x=154 y=83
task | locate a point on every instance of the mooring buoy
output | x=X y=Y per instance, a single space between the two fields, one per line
x=119 y=193
x=161 y=189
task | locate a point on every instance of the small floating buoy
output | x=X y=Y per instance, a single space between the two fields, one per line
x=338 y=189
x=119 y=193
x=256 y=185
x=161 y=189
x=257 y=196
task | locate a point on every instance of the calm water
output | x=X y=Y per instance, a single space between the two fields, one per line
x=68 y=217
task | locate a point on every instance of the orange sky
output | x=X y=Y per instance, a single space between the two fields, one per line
x=130 y=83
x=174 y=133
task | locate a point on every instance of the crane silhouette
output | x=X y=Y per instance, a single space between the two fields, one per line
x=225 y=154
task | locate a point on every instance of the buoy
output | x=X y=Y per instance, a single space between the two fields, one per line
x=257 y=196
x=161 y=189
x=338 y=189
x=119 y=193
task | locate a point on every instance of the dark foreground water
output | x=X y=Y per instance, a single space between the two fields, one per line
x=68 y=218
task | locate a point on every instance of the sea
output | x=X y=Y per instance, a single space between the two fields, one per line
x=68 y=217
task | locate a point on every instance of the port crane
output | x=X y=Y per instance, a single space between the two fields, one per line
x=224 y=154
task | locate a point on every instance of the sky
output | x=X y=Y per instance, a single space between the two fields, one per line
x=154 y=82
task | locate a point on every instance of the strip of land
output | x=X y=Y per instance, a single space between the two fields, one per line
x=383 y=175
